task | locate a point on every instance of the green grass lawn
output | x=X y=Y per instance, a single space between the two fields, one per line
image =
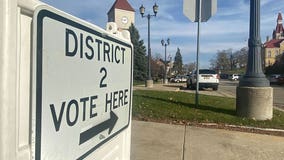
x=135 y=83
x=180 y=106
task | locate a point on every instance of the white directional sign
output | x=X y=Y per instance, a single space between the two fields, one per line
x=191 y=9
x=82 y=86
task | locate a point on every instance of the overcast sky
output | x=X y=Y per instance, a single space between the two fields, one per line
x=227 y=29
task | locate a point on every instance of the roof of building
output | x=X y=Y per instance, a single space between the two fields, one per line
x=274 y=43
x=122 y=4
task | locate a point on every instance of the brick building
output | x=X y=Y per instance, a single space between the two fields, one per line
x=274 y=47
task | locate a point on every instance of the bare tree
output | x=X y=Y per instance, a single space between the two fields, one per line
x=191 y=66
x=222 y=60
x=227 y=60
x=157 y=67
x=240 y=58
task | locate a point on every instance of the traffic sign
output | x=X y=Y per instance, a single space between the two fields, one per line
x=82 y=90
x=191 y=9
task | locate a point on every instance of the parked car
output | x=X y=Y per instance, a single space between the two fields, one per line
x=234 y=77
x=179 y=78
x=280 y=80
x=207 y=79
x=273 y=79
x=224 y=76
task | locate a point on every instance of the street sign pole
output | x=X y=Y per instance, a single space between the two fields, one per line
x=199 y=11
x=197 y=54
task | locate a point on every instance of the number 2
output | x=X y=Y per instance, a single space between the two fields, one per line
x=104 y=71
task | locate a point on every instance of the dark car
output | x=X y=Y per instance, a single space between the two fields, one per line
x=224 y=76
x=273 y=79
x=280 y=80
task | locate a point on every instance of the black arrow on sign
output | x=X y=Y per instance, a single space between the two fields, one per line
x=92 y=132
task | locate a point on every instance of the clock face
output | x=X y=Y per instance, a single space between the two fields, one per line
x=124 y=20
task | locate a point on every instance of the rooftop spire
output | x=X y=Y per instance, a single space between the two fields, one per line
x=278 y=33
x=279 y=18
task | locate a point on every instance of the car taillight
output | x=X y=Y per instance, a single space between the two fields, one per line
x=218 y=76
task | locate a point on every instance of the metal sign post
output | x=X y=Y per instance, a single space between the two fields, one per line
x=199 y=11
x=197 y=54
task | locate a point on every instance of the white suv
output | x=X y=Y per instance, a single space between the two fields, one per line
x=207 y=79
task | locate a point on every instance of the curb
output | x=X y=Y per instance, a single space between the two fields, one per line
x=243 y=127
x=249 y=129
x=276 y=106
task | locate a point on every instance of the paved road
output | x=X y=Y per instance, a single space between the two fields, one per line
x=278 y=92
x=226 y=89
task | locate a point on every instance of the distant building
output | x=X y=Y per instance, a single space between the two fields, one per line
x=274 y=47
x=122 y=14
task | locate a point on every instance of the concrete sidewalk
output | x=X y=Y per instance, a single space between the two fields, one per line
x=157 y=141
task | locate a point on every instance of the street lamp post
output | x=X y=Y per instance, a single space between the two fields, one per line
x=165 y=62
x=254 y=76
x=149 y=82
x=231 y=61
x=254 y=94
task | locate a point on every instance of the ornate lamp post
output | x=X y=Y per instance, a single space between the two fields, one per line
x=254 y=94
x=149 y=82
x=254 y=76
x=165 y=62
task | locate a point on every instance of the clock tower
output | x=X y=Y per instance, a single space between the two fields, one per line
x=122 y=14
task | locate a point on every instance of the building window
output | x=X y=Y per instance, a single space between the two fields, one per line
x=269 y=54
